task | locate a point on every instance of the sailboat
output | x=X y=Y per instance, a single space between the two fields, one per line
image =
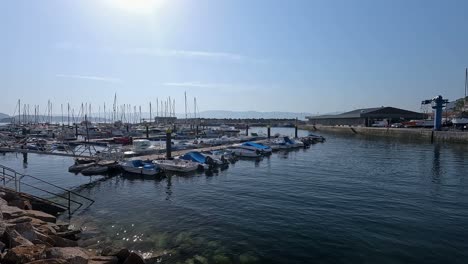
x=463 y=119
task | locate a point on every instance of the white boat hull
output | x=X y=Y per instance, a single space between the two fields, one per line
x=245 y=153
x=177 y=165
x=140 y=170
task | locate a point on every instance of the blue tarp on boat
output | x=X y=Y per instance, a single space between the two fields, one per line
x=140 y=163
x=288 y=140
x=255 y=145
x=194 y=156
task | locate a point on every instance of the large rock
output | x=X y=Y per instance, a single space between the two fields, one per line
x=49 y=261
x=3 y=202
x=10 y=196
x=63 y=242
x=2 y=226
x=24 y=219
x=103 y=260
x=43 y=239
x=74 y=255
x=14 y=238
x=134 y=258
x=10 y=212
x=26 y=230
x=24 y=254
x=121 y=254
x=21 y=203
x=41 y=216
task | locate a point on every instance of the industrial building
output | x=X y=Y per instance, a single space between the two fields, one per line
x=366 y=117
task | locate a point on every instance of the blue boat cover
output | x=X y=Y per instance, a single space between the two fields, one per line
x=137 y=163
x=255 y=145
x=288 y=140
x=194 y=156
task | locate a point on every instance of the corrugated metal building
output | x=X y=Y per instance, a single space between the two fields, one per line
x=366 y=117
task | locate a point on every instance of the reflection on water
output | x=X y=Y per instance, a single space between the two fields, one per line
x=349 y=200
x=436 y=164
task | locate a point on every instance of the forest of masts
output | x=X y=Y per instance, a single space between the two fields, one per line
x=125 y=113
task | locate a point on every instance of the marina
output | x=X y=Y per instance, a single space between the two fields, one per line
x=233 y=132
x=323 y=200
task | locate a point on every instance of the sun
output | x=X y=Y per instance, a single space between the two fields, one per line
x=138 y=6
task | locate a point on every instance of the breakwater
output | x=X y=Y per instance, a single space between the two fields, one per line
x=403 y=133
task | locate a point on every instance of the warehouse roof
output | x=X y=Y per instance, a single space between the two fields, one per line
x=376 y=112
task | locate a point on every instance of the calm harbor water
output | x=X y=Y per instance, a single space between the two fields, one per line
x=349 y=200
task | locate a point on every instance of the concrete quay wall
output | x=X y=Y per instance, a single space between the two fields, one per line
x=404 y=133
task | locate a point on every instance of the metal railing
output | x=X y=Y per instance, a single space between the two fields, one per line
x=14 y=180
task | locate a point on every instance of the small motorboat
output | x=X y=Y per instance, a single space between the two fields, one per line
x=222 y=155
x=140 y=167
x=177 y=165
x=293 y=143
x=110 y=164
x=77 y=167
x=95 y=170
x=84 y=160
x=246 y=153
x=265 y=150
x=315 y=137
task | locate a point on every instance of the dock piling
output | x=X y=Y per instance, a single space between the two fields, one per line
x=168 y=144
x=269 y=132
x=247 y=130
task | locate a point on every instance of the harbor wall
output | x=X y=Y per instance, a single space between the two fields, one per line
x=403 y=133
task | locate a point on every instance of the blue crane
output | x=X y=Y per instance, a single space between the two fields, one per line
x=437 y=103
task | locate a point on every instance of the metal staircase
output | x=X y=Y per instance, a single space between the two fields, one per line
x=50 y=194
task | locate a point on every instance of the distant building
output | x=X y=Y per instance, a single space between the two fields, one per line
x=366 y=117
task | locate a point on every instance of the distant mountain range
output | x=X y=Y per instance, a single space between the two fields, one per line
x=251 y=114
x=2 y=116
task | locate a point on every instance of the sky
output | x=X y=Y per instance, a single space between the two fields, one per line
x=263 y=55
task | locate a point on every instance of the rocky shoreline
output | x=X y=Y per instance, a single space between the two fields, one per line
x=35 y=237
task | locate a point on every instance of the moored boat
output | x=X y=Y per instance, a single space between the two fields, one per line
x=246 y=153
x=140 y=167
x=264 y=150
x=177 y=165
x=94 y=170
x=79 y=167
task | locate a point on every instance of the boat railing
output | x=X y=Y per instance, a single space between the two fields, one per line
x=50 y=193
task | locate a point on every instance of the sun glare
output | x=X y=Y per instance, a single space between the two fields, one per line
x=138 y=6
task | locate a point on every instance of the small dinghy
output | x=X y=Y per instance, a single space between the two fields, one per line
x=140 y=167
x=177 y=165
x=110 y=164
x=79 y=167
x=94 y=170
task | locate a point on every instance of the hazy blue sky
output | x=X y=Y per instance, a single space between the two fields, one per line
x=264 y=55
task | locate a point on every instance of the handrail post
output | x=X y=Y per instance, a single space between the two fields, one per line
x=16 y=183
x=69 y=206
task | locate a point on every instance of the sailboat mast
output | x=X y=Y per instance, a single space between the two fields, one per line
x=19 y=111
x=185 y=95
x=151 y=116
x=195 y=107
x=68 y=114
